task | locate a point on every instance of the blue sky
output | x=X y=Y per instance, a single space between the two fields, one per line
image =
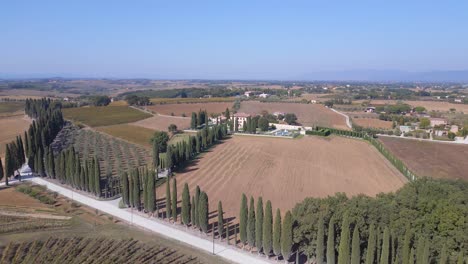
x=230 y=39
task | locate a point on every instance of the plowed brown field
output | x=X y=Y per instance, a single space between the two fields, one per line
x=433 y=159
x=187 y=109
x=159 y=122
x=286 y=171
x=372 y=122
x=307 y=114
x=10 y=127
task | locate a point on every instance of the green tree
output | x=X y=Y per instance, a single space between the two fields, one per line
x=286 y=236
x=151 y=192
x=411 y=257
x=227 y=114
x=343 y=250
x=290 y=118
x=443 y=255
x=186 y=205
x=172 y=128
x=1 y=170
x=461 y=258
x=136 y=190
x=97 y=179
x=419 y=110
x=192 y=209
x=263 y=124
x=197 y=198
x=243 y=218
x=259 y=225
x=384 y=256
x=220 y=220
x=277 y=234
x=193 y=121
x=8 y=164
x=424 y=122
x=251 y=224
x=356 y=247
x=406 y=245
x=161 y=138
x=155 y=155
x=125 y=190
x=370 y=254
x=168 y=198
x=420 y=250
x=174 y=200
x=268 y=229
x=320 y=241
x=203 y=212
x=331 y=241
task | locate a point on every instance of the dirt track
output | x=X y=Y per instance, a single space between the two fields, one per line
x=287 y=171
x=438 y=160
x=307 y=114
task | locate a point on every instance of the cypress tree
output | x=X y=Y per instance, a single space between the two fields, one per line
x=192 y=209
x=40 y=162
x=97 y=179
x=343 y=250
x=286 y=236
x=174 y=200
x=136 y=190
x=151 y=192
x=411 y=257
x=168 y=198
x=420 y=251
x=203 y=212
x=426 y=253
x=384 y=256
x=1 y=170
x=243 y=218
x=356 y=247
x=197 y=198
x=130 y=189
x=169 y=163
x=406 y=245
x=443 y=255
x=251 y=224
x=155 y=155
x=268 y=229
x=277 y=234
x=331 y=241
x=258 y=223
x=51 y=163
x=320 y=241
x=370 y=255
x=8 y=164
x=220 y=220
x=186 y=205
x=125 y=190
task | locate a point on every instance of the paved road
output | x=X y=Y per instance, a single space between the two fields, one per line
x=110 y=207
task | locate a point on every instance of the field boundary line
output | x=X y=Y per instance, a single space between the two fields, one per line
x=426 y=140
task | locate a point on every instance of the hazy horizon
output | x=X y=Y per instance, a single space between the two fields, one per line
x=277 y=40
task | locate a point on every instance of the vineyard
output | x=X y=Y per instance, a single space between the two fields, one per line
x=90 y=250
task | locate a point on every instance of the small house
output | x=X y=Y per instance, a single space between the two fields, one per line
x=437 y=122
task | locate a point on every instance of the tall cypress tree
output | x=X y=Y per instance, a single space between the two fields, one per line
x=258 y=223
x=136 y=190
x=155 y=155
x=174 y=200
x=343 y=250
x=192 y=209
x=356 y=247
x=125 y=190
x=384 y=256
x=243 y=218
x=370 y=254
x=268 y=229
x=151 y=193
x=251 y=224
x=1 y=170
x=203 y=212
x=461 y=258
x=411 y=257
x=51 y=163
x=277 y=234
x=97 y=179
x=331 y=241
x=420 y=251
x=186 y=205
x=426 y=253
x=197 y=197
x=406 y=245
x=220 y=220
x=443 y=255
x=320 y=241
x=168 y=198
x=286 y=236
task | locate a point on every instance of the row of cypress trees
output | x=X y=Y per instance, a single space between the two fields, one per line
x=198 y=119
x=258 y=230
x=137 y=183
x=14 y=158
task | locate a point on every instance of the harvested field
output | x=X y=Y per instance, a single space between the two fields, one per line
x=10 y=127
x=11 y=107
x=308 y=96
x=307 y=114
x=131 y=133
x=286 y=171
x=191 y=100
x=433 y=159
x=429 y=105
x=160 y=122
x=188 y=108
x=104 y=115
x=373 y=123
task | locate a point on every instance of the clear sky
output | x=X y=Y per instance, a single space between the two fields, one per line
x=230 y=39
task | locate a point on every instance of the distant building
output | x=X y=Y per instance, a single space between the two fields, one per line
x=457 y=100
x=241 y=119
x=278 y=114
x=405 y=129
x=249 y=93
x=370 y=109
x=313 y=101
x=263 y=95
x=454 y=129
x=437 y=121
x=218 y=120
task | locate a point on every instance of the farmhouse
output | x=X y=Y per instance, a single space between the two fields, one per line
x=263 y=95
x=241 y=118
x=248 y=93
x=218 y=120
x=437 y=122
x=370 y=109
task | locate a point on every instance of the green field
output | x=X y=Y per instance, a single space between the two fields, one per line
x=10 y=107
x=134 y=134
x=104 y=115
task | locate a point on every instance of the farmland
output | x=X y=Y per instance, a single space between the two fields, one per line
x=429 y=105
x=307 y=114
x=191 y=100
x=188 y=108
x=10 y=128
x=437 y=160
x=131 y=133
x=104 y=116
x=11 y=107
x=159 y=122
x=88 y=235
x=372 y=122
x=286 y=171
